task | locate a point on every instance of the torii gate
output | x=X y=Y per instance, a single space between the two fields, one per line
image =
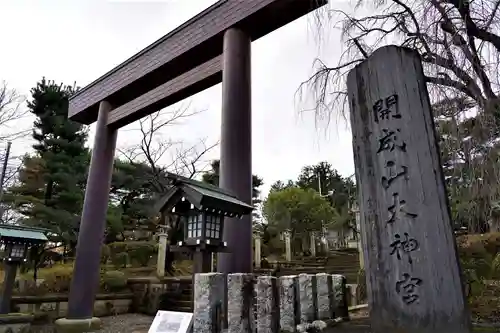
x=212 y=47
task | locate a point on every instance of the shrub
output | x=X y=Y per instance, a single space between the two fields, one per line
x=492 y=243
x=114 y=281
x=479 y=244
x=105 y=254
x=117 y=247
x=182 y=268
x=30 y=287
x=57 y=279
x=120 y=260
x=480 y=261
x=141 y=252
x=118 y=254
x=478 y=255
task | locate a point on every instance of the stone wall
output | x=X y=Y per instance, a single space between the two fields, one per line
x=55 y=306
x=244 y=303
x=169 y=293
x=16 y=323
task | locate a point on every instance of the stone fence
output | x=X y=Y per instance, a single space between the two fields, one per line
x=245 y=303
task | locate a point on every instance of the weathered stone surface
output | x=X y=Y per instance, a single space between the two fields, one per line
x=288 y=245
x=315 y=326
x=15 y=328
x=59 y=308
x=416 y=286
x=240 y=300
x=324 y=296
x=288 y=299
x=15 y=323
x=339 y=296
x=267 y=306
x=162 y=252
x=307 y=298
x=352 y=294
x=64 y=325
x=257 y=249
x=208 y=298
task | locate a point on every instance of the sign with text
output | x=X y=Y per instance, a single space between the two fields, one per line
x=171 y=322
x=412 y=271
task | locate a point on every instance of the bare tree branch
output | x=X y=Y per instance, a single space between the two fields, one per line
x=443 y=32
x=163 y=154
x=11 y=113
x=459 y=44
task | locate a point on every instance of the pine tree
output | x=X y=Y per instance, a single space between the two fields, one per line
x=51 y=184
x=212 y=177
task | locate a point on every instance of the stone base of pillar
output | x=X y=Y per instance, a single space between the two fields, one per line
x=65 y=325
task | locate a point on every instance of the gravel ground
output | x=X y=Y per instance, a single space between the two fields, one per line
x=129 y=323
x=137 y=323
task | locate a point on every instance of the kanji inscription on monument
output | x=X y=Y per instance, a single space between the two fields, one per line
x=413 y=275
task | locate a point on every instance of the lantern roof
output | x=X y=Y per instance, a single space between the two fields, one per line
x=203 y=196
x=11 y=231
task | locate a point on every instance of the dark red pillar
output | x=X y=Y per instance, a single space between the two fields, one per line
x=85 y=282
x=236 y=148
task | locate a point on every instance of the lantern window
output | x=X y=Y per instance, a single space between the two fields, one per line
x=194 y=226
x=212 y=229
x=17 y=251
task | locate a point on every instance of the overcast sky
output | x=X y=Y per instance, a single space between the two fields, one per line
x=79 y=40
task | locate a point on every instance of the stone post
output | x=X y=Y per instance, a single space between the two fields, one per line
x=312 y=243
x=288 y=296
x=240 y=296
x=352 y=289
x=257 y=251
x=267 y=304
x=209 y=289
x=339 y=290
x=307 y=298
x=324 y=296
x=162 y=251
x=325 y=240
x=360 y=237
x=288 y=246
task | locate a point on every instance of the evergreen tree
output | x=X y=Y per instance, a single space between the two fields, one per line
x=51 y=185
x=339 y=191
x=132 y=199
x=212 y=177
x=470 y=150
